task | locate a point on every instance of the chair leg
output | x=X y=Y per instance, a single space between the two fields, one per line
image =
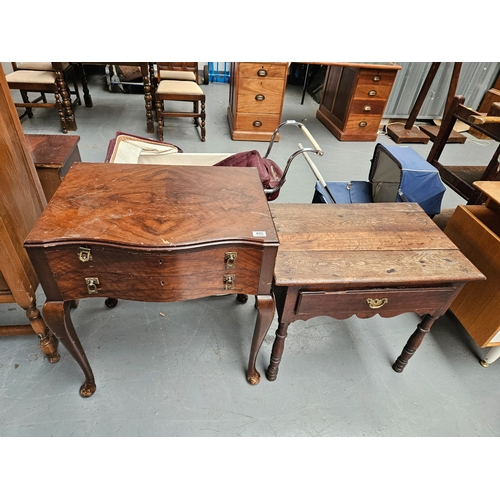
x=62 y=115
x=202 y=121
x=29 y=111
x=159 y=118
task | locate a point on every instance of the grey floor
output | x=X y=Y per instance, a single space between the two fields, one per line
x=178 y=369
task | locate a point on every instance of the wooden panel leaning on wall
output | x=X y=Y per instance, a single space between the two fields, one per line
x=21 y=203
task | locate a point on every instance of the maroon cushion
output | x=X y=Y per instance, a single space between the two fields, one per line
x=270 y=173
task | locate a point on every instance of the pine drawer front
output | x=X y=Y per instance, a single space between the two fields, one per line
x=260 y=96
x=365 y=303
x=262 y=70
x=155 y=275
x=257 y=122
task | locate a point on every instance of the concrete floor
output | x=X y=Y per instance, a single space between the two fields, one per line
x=178 y=369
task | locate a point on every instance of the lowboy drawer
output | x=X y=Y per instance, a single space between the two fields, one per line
x=365 y=303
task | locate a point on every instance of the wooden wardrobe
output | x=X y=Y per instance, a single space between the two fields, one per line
x=22 y=200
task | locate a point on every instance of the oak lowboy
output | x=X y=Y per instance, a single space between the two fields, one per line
x=154 y=233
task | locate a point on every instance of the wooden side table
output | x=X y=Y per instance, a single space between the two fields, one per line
x=53 y=156
x=155 y=233
x=475 y=229
x=363 y=259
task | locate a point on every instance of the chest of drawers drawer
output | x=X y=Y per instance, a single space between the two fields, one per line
x=90 y=271
x=264 y=96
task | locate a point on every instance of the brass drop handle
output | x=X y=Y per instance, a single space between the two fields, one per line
x=257 y=123
x=228 y=281
x=84 y=254
x=372 y=93
x=230 y=259
x=363 y=124
x=262 y=72
x=376 y=303
x=92 y=285
x=259 y=97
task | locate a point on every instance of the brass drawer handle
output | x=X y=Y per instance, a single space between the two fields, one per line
x=372 y=93
x=257 y=123
x=228 y=281
x=376 y=303
x=259 y=97
x=92 y=285
x=84 y=254
x=230 y=260
x=367 y=109
x=363 y=124
x=262 y=72
x=377 y=78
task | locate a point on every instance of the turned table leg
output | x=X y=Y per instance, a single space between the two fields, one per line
x=58 y=319
x=277 y=352
x=413 y=343
x=48 y=343
x=265 y=307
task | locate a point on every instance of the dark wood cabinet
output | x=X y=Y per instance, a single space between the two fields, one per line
x=354 y=99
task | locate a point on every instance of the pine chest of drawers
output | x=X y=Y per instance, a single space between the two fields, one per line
x=354 y=99
x=256 y=94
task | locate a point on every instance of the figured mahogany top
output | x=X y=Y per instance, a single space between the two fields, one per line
x=51 y=150
x=156 y=206
x=373 y=244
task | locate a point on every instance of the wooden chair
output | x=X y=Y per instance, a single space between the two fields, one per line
x=179 y=82
x=46 y=78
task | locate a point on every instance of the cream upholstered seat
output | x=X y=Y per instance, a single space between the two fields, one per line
x=177 y=82
x=44 y=78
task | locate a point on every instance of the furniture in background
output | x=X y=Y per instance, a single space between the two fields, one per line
x=491 y=97
x=461 y=178
x=46 y=78
x=475 y=229
x=158 y=232
x=53 y=156
x=256 y=94
x=21 y=202
x=363 y=260
x=177 y=82
x=354 y=98
x=433 y=130
x=147 y=71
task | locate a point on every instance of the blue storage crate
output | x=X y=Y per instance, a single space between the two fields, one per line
x=219 y=72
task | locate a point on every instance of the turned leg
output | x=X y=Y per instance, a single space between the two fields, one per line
x=148 y=99
x=86 y=94
x=66 y=100
x=265 y=315
x=48 y=343
x=159 y=118
x=277 y=352
x=413 y=343
x=57 y=316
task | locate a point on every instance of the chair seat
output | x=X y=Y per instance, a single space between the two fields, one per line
x=28 y=76
x=39 y=66
x=178 y=87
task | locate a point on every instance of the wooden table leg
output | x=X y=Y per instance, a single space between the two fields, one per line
x=58 y=319
x=265 y=307
x=48 y=343
x=413 y=343
x=277 y=352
